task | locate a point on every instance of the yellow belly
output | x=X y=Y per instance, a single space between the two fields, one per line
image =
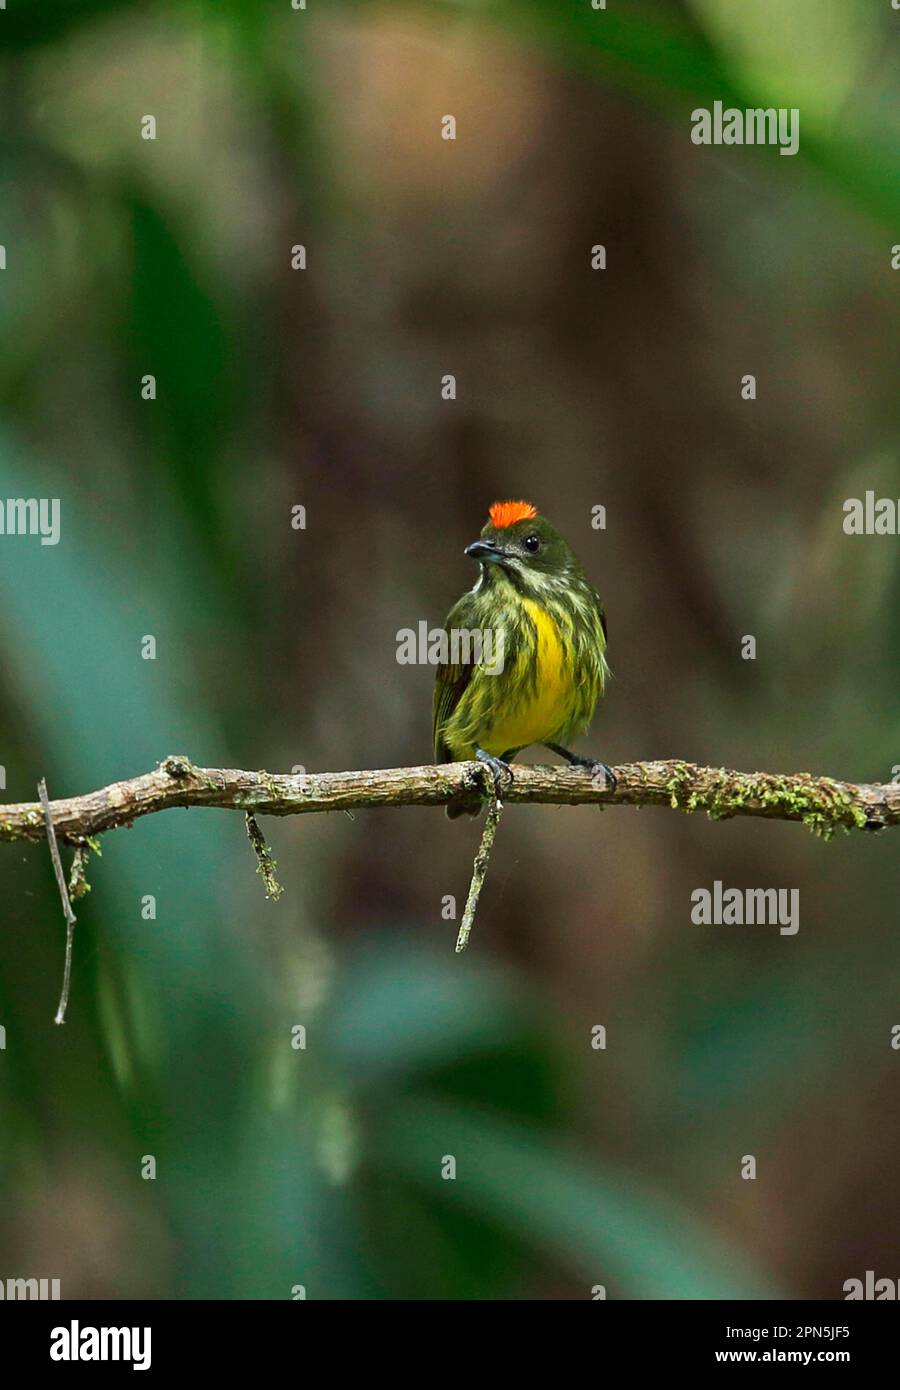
x=539 y=718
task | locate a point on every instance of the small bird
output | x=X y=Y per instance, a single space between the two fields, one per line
x=546 y=622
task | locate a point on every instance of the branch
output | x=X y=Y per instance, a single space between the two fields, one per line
x=821 y=803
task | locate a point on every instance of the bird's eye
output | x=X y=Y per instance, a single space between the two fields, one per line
x=532 y=543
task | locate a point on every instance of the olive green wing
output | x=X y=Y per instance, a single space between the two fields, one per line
x=450 y=681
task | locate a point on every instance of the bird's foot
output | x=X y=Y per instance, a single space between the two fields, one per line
x=602 y=775
x=501 y=772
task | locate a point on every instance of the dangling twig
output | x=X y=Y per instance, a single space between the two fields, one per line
x=78 y=884
x=479 y=870
x=64 y=895
x=265 y=865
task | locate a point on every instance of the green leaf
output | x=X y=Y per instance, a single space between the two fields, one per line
x=601 y=1221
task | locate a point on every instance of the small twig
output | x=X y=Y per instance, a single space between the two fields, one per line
x=479 y=870
x=265 y=865
x=64 y=895
x=78 y=884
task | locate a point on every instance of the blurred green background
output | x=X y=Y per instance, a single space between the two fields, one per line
x=276 y=647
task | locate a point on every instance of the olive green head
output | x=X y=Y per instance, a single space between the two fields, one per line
x=520 y=544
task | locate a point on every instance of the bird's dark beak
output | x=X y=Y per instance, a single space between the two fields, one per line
x=484 y=550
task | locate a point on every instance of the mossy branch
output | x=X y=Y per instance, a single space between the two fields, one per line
x=821 y=803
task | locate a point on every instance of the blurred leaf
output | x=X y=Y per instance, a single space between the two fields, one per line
x=400 y=1011
x=598 y=1220
x=658 y=54
x=176 y=334
x=809 y=53
x=28 y=22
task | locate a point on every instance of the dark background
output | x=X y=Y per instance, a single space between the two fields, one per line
x=277 y=647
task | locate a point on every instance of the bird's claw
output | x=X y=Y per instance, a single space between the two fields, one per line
x=501 y=773
x=602 y=776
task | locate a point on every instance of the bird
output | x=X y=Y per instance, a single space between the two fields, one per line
x=539 y=671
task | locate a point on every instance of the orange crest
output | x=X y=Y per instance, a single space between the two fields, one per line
x=504 y=514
